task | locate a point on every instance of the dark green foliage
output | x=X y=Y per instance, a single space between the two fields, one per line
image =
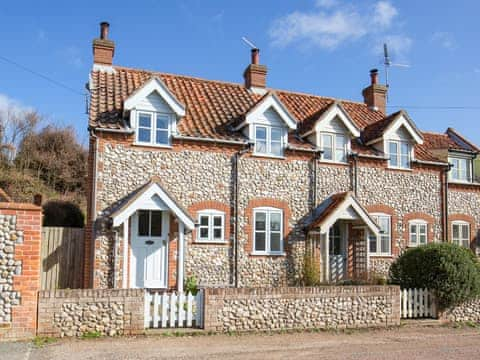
x=452 y=272
x=62 y=213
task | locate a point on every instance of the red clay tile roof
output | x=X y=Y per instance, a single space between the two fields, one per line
x=375 y=130
x=326 y=208
x=212 y=107
x=436 y=141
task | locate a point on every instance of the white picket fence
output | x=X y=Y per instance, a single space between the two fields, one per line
x=173 y=310
x=417 y=303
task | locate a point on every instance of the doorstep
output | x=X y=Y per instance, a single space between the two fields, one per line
x=421 y=322
x=174 y=331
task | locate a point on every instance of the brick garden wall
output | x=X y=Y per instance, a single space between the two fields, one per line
x=20 y=236
x=469 y=311
x=301 y=308
x=76 y=312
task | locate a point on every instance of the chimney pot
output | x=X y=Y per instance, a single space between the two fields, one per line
x=104 y=26
x=255 y=56
x=374 y=76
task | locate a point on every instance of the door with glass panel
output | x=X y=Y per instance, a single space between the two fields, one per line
x=149 y=249
x=337 y=253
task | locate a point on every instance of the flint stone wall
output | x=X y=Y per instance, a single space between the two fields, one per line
x=76 y=312
x=9 y=266
x=249 y=309
x=469 y=311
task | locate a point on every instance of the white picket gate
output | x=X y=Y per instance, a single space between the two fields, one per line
x=173 y=310
x=417 y=303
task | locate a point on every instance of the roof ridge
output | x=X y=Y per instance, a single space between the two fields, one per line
x=224 y=82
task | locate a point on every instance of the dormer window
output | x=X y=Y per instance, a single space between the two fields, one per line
x=153 y=128
x=461 y=169
x=269 y=140
x=399 y=153
x=334 y=147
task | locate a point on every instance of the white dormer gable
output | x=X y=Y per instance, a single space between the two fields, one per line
x=334 y=119
x=154 y=112
x=268 y=106
x=401 y=128
x=155 y=85
x=398 y=141
x=267 y=125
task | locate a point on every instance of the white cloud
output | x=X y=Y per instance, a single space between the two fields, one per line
x=12 y=106
x=445 y=39
x=326 y=3
x=332 y=23
x=384 y=13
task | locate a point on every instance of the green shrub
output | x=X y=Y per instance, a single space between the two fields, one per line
x=62 y=213
x=452 y=272
x=191 y=285
x=311 y=270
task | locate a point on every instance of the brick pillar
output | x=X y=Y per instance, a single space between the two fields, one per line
x=22 y=227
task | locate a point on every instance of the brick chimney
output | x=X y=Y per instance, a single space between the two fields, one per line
x=255 y=75
x=375 y=95
x=103 y=49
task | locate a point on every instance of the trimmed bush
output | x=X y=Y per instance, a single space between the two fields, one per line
x=451 y=271
x=311 y=270
x=62 y=213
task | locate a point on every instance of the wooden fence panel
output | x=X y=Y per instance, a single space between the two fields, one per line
x=62 y=258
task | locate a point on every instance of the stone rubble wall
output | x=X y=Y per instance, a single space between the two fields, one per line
x=76 y=312
x=467 y=312
x=325 y=307
x=9 y=267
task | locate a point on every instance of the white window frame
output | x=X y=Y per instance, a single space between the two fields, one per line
x=376 y=217
x=211 y=214
x=468 y=169
x=417 y=233
x=333 y=137
x=136 y=224
x=268 y=211
x=268 y=140
x=154 y=115
x=399 y=144
x=460 y=241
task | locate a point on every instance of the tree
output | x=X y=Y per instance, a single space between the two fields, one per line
x=15 y=125
x=451 y=271
x=62 y=213
x=54 y=156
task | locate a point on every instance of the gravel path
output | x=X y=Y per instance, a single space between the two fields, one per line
x=404 y=343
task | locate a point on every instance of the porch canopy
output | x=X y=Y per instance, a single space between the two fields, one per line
x=341 y=208
x=153 y=196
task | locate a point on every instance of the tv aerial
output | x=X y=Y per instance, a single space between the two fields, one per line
x=249 y=43
x=387 y=62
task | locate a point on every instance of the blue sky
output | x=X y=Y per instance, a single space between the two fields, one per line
x=325 y=47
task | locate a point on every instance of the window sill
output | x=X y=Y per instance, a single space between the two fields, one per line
x=161 y=146
x=269 y=156
x=333 y=162
x=400 y=168
x=380 y=255
x=460 y=182
x=264 y=254
x=200 y=242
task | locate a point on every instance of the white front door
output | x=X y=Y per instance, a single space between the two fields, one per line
x=149 y=249
x=337 y=253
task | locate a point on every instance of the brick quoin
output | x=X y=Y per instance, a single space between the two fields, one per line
x=249 y=226
x=24 y=316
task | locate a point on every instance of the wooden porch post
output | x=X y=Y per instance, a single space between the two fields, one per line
x=125 y=255
x=181 y=256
